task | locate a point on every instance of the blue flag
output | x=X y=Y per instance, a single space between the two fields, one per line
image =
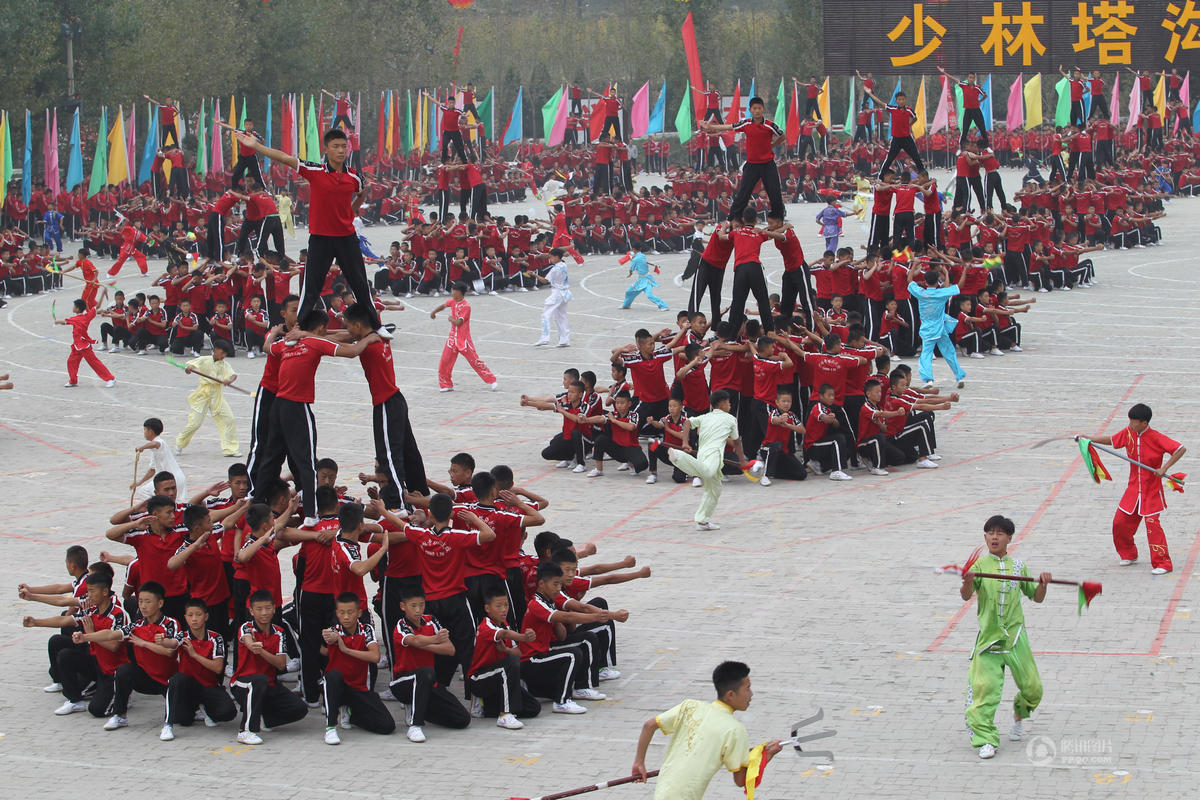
x=146 y=164
x=267 y=139
x=986 y=105
x=75 y=161
x=1196 y=117
x=895 y=92
x=27 y=162
x=659 y=113
x=514 y=130
x=745 y=111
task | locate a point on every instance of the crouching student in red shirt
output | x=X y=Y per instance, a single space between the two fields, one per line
x=197 y=684
x=351 y=648
x=494 y=678
x=260 y=657
x=418 y=640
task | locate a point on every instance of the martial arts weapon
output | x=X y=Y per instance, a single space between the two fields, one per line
x=795 y=741
x=136 y=459
x=195 y=371
x=595 y=787
x=53 y=315
x=1087 y=589
x=1175 y=480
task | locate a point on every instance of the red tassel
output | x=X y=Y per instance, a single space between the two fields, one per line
x=1089 y=589
x=654 y=444
x=975 y=554
x=1177 y=484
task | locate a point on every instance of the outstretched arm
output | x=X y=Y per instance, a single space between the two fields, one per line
x=267 y=152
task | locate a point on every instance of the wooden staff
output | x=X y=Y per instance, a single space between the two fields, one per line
x=136 y=459
x=595 y=787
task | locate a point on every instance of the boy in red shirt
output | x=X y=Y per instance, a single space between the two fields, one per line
x=762 y=137
x=261 y=655
x=197 y=684
x=349 y=700
x=494 y=678
x=1143 y=498
x=81 y=346
x=419 y=641
x=459 y=341
x=154 y=638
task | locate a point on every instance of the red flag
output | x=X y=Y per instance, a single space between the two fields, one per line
x=397 y=126
x=793 y=119
x=693 y=62
x=321 y=115
x=596 y=121
x=285 y=127
x=735 y=113
x=382 y=130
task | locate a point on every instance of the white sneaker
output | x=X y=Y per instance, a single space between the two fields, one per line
x=209 y=722
x=495 y=387
x=697 y=483
x=344 y=718
x=383 y=661
x=995 y=351
x=609 y=673
x=579 y=468
x=167 y=734
x=563 y=464
x=934 y=457
x=975 y=355
x=250 y=354
x=116 y=721
x=587 y=694
x=765 y=481
x=114 y=349
x=652 y=478
x=70 y=385
x=70 y=708
x=707 y=526
x=838 y=475
x=1125 y=562
x=387 y=695
x=384 y=333
x=925 y=463
x=476 y=708
x=877 y=471
x=111 y=382
x=541 y=343
x=141 y=352
x=678 y=279
x=1016 y=348
x=624 y=467
x=415 y=734
x=407 y=296
x=1016 y=731
x=988 y=750
x=1159 y=571
x=569 y=707
x=248 y=737
x=1040 y=291
x=563 y=344
x=52 y=688
x=331 y=736
x=595 y=473
x=510 y=722
x=446 y=389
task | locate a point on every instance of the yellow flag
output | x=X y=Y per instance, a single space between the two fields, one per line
x=118 y=162
x=753 y=770
x=1033 y=102
x=823 y=105
x=1160 y=98
x=918 y=127
x=233 y=124
x=391 y=126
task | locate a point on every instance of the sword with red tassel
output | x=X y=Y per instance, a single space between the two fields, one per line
x=1087 y=589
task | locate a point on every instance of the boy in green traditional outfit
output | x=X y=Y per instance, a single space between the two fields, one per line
x=1002 y=641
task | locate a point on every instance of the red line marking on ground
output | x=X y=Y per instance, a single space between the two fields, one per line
x=955 y=419
x=1033 y=520
x=636 y=512
x=1164 y=626
x=460 y=416
x=48 y=444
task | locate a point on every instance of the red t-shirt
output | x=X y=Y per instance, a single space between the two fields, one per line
x=211 y=646
x=830 y=369
x=971 y=95
x=649 y=384
x=380 y=371
x=901 y=121
x=354 y=670
x=410 y=658
x=298 y=367
x=717 y=251
x=158 y=667
x=114 y=618
x=153 y=552
x=204 y=570
x=330 y=210
x=318 y=564
x=249 y=663
x=747 y=245
x=539 y=616
x=342 y=553
x=767 y=376
x=906 y=197
x=759 y=136
x=486 y=653
x=442 y=556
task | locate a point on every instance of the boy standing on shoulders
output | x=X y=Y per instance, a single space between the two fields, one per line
x=1002 y=641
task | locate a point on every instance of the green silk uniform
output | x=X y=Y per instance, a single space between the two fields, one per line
x=1002 y=642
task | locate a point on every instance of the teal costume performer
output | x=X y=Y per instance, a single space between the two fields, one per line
x=643 y=283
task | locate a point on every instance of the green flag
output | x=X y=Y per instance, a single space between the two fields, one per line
x=683 y=117
x=485 y=113
x=406 y=135
x=201 y=147
x=312 y=134
x=780 y=117
x=100 y=160
x=548 y=112
x=1091 y=461
x=1062 y=111
x=851 y=117
x=242 y=119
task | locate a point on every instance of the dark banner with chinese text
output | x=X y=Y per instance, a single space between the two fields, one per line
x=895 y=37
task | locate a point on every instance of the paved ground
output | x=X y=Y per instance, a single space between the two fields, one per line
x=827 y=589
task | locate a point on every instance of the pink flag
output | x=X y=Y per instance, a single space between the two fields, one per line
x=1184 y=92
x=1135 y=106
x=52 y=157
x=1016 y=104
x=639 y=115
x=559 y=128
x=131 y=146
x=1114 y=106
x=217 y=162
x=941 y=117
